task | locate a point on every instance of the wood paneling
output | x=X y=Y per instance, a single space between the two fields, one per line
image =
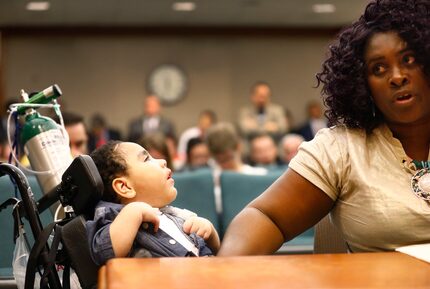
x=359 y=270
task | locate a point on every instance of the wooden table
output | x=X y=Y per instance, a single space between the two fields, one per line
x=366 y=270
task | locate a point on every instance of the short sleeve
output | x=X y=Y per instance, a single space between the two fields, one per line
x=101 y=246
x=98 y=233
x=321 y=161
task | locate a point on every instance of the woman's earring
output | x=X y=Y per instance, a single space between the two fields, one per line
x=373 y=107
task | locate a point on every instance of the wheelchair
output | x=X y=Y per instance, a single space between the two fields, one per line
x=81 y=188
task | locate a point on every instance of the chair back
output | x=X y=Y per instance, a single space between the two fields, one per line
x=196 y=193
x=328 y=239
x=238 y=190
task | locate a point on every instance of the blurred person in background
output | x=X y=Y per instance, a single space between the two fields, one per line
x=100 y=133
x=197 y=155
x=206 y=119
x=225 y=148
x=263 y=152
x=157 y=147
x=151 y=121
x=289 y=146
x=4 y=149
x=78 y=136
x=262 y=115
x=315 y=121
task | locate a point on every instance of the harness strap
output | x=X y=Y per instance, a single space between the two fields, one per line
x=34 y=256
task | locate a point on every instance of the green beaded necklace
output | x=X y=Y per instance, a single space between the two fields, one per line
x=421 y=164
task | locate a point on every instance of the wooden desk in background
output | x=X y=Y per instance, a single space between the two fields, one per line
x=367 y=270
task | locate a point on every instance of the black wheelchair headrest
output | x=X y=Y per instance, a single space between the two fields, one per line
x=81 y=186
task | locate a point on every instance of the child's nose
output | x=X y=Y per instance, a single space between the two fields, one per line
x=163 y=163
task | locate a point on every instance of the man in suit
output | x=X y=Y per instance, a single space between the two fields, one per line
x=150 y=122
x=262 y=116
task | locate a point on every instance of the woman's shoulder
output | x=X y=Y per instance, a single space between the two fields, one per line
x=340 y=133
x=341 y=130
x=346 y=139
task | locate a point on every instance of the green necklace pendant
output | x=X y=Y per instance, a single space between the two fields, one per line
x=420 y=181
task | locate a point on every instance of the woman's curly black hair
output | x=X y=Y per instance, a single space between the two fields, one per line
x=110 y=164
x=345 y=89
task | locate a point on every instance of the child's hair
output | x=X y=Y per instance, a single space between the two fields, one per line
x=110 y=164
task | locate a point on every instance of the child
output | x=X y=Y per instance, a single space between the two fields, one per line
x=134 y=219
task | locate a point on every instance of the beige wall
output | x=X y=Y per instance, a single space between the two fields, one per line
x=107 y=73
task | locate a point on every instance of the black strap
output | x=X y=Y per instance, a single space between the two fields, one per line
x=66 y=276
x=66 y=262
x=50 y=262
x=35 y=253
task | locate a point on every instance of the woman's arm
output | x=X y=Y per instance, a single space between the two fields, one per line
x=287 y=208
x=124 y=228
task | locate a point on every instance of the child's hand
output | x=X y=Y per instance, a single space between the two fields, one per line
x=202 y=227
x=124 y=227
x=147 y=213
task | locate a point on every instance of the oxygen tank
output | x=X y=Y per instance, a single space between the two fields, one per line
x=44 y=143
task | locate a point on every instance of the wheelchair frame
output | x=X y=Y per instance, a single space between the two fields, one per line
x=81 y=188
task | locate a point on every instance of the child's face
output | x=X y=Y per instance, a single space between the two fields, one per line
x=149 y=178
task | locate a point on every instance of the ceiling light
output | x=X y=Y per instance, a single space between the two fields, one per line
x=323 y=8
x=38 y=6
x=184 y=6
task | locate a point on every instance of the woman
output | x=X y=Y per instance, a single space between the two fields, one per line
x=366 y=170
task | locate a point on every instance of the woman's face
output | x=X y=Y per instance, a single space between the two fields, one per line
x=399 y=88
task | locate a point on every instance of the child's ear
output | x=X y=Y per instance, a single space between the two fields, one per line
x=122 y=188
